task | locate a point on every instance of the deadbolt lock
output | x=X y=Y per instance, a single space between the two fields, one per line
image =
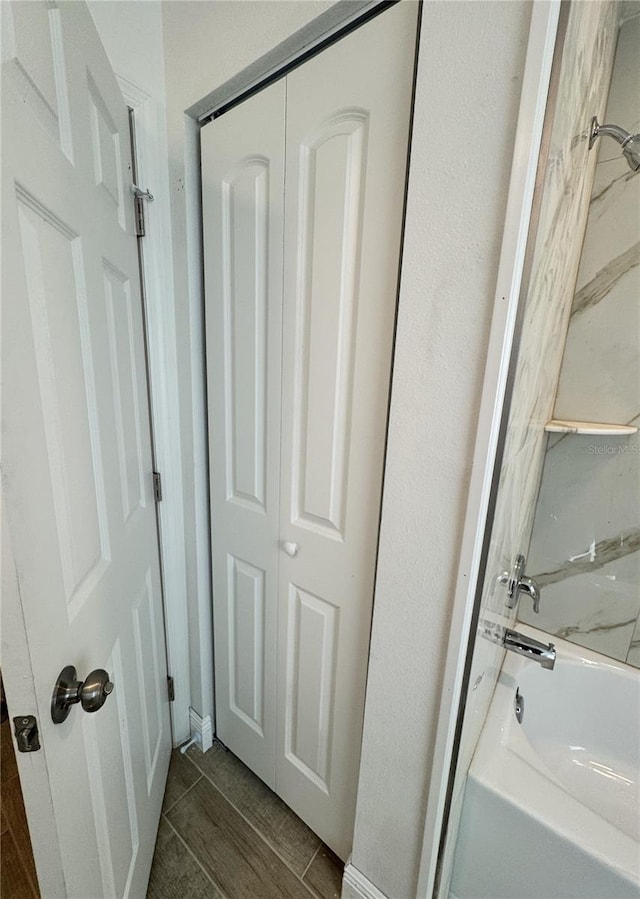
x=91 y=693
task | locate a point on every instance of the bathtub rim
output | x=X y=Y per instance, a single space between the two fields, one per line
x=505 y=762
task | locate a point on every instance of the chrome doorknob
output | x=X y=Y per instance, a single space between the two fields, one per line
x=290 y=548
x=91 y=693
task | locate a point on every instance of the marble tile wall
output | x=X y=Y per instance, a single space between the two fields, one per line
x=585 y=548
x=582 y=90
x=583 y=87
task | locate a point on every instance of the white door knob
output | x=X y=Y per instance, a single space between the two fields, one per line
x=290 y=548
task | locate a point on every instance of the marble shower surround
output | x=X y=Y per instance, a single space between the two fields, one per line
x=585 y=548
x=583 y=85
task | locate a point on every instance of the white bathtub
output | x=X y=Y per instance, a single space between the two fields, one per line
x=552 y=806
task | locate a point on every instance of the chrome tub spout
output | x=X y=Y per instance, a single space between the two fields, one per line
x=543 y=653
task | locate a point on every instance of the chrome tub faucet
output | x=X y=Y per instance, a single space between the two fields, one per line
x=542 y=653
x=518 y=582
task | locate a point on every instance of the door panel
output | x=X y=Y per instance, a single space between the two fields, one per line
x=247 y=608
x=346 y=149
x=311 y=656
x=243 y=184
x=116 y=827
x=53 y=269
x=329 y=242
x=300 y=300
x=77 y=469
x=32 y=48
x=244 y=209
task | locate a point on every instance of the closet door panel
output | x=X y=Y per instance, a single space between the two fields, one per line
x=348 y=113
x=329 y=241
x=242 y=170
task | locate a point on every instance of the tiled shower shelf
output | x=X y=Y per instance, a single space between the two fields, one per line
x=594 y=428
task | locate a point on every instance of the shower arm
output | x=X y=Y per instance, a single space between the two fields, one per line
x=614 y=131
x=629 y=143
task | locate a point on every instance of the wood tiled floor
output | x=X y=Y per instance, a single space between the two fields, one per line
x=224 y=835
x=18 y=879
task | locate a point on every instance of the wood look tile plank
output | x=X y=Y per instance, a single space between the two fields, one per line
x=182 y=775
x=175 y=874
x=13 y=881
x=325 y=874
x=13 y=811
x=238 y=861
x=3 y=821
x=8 y=765
x=279 y=825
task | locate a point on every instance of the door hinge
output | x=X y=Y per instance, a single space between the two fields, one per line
x=157 y=487
x=138 y=206
x=171 y=689
x=139 y=196
x=26 y=731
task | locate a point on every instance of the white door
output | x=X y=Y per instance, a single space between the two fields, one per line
x=243 y=178
x=301 y=296
x=76 y=455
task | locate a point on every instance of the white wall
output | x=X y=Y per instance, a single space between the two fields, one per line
x=131 y=33
x=207 y=43
x=459 y=178
x=472 y=56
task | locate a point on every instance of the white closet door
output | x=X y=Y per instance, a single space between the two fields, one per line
x=297 y=455
x=243 y=184
x=348 y=113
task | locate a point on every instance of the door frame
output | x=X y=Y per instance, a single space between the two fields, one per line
x=157 y=276
x=520 y=226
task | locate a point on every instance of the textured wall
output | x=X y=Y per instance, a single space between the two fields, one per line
x=455 y=219
x=585 y=549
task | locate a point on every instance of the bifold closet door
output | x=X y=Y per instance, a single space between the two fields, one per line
x=243 y=187
x=301 y=272
x=348 y=112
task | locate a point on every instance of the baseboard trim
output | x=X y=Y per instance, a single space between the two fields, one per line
x=360 y=885
x=203 y=727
